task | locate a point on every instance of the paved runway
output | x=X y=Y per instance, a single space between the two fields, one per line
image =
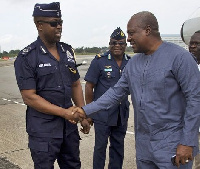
x=14 y=152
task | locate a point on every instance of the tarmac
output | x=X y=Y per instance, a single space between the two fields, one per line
x=14 y=152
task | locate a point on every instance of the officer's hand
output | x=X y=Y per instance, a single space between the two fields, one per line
x=80 y=111
x=90 y=121
x=73 y=116
x=85 y=126
x=183 y=154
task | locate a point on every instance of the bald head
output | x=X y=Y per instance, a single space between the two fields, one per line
x=143 y=33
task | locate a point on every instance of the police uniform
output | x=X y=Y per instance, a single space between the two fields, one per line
x=104 y=73
x=50 y=137
x=166 y=104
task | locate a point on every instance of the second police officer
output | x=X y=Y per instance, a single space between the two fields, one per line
x=103 y=73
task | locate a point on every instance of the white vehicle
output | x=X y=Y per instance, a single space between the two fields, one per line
x=190 y=26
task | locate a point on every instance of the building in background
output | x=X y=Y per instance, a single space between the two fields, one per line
x=174 y=38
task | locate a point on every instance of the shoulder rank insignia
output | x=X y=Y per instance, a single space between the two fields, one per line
x=109 y=56
x=72 y=70
x=98 y=56
x=26 y=50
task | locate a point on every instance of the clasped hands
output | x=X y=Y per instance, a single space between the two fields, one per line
x=77 y=114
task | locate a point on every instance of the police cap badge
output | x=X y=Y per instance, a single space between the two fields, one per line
x=118 y=34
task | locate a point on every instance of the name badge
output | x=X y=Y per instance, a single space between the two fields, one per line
x=108 y=70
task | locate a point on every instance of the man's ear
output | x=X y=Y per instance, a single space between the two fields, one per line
x=38 y=26
x=148 y=30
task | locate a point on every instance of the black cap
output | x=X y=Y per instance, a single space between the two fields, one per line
x=47 y=10
x=118 y=34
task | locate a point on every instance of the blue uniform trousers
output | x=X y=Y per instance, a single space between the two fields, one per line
x=116 y=135
x=145 y=164
x=45 y=151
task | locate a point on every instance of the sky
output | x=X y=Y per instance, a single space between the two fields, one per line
x=89 y=23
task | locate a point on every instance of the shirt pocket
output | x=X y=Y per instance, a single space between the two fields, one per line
x=38 y=146
x=108 y=75
x=108 y=79
x=47 y=77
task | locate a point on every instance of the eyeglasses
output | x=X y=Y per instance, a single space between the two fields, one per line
x=53 y=23
x=116 y=42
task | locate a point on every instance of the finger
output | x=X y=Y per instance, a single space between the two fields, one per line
x=81 y=116
x=183 y=160
x=177 y=159
x=190 y=158
x=84 y=131
x=72 y=121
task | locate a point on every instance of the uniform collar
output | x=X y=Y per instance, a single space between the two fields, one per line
x=109 y=56
x=42 y=47
x=62 y=48
x=114 y=63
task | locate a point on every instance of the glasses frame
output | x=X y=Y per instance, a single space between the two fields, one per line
x=114 y=43
x=52 y=23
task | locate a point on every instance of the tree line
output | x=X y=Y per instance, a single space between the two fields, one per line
x=78 y=51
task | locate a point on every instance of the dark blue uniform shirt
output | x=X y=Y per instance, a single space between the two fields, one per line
x=37 y=69
x=104 y=73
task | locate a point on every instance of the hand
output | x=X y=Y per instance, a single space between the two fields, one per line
x=86 y=123
x=90 y=121
x=80 y=111
x=85 y=126
x=183 y=154
x=73 y=116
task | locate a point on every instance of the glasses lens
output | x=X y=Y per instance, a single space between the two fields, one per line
x=115 y=43
x=56 y=23
x=53 y=23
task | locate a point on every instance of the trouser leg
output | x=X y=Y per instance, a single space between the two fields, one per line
x=69 y=156
x=116 y=149
x=101 y=141
x=44 y=151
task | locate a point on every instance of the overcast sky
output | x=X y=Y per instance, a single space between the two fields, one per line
x=89 y=23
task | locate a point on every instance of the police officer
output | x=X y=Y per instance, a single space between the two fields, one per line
x=103 y=73
x=48 y=79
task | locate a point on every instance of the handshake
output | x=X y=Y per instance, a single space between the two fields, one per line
x=76 y=114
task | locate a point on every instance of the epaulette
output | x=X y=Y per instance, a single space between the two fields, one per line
x=65 y=45
x=68 y=50
x=98 y=56
x=27 y=49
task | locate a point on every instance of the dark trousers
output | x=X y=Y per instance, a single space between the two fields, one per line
x=116 y=135
x=45 y=151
